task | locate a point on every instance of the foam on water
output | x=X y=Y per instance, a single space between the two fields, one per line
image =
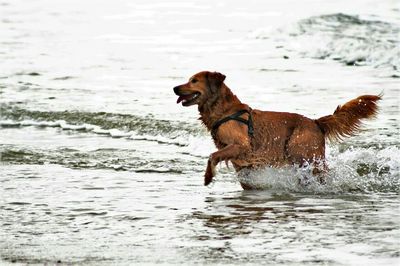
x=109 y=124
x=159 y=137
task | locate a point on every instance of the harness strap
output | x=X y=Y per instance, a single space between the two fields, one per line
x=236 y=116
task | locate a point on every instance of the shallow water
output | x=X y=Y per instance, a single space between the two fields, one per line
x=100 y=166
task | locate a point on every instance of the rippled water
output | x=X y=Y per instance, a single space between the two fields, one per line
x=100 y=166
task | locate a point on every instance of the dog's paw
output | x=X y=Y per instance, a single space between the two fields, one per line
x=210 y=173
x=207 y=179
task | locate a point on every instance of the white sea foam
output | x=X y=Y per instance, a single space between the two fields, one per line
x=182 y=140
x=116 y=133
x=9 y=123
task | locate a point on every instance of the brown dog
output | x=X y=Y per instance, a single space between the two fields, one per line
x=253 y=138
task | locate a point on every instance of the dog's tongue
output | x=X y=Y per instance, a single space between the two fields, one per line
x=183 y=97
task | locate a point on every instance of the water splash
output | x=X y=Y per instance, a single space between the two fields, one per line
x=357 y=169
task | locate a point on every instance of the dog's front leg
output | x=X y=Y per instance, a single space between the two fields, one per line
x=232 y=151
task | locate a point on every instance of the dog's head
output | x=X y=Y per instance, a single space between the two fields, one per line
x=201 y=88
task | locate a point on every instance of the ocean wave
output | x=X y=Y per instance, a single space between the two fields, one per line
x=345 y=38
x=111 y=124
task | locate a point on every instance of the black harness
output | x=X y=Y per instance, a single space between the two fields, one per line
x=235 y=116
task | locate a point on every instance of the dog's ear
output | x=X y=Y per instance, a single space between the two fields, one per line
x=215 y=79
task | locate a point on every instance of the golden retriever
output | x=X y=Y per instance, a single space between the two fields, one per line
x=251 y=138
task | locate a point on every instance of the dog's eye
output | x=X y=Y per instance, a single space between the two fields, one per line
x=194 y=81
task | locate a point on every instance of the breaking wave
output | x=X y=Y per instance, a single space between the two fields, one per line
x=345 y=38
x=111 y=124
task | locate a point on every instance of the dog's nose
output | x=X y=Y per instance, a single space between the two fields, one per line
x=176 y=89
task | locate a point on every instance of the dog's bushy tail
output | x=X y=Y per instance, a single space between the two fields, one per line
x=346 y=120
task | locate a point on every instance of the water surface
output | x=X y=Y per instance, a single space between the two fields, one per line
x=99 y=165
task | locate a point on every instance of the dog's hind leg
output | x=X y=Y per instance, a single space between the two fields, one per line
x=320 y=170
x=314 y=170
x=306 y=148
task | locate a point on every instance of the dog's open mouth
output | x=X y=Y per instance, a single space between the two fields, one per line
x=188 y=99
